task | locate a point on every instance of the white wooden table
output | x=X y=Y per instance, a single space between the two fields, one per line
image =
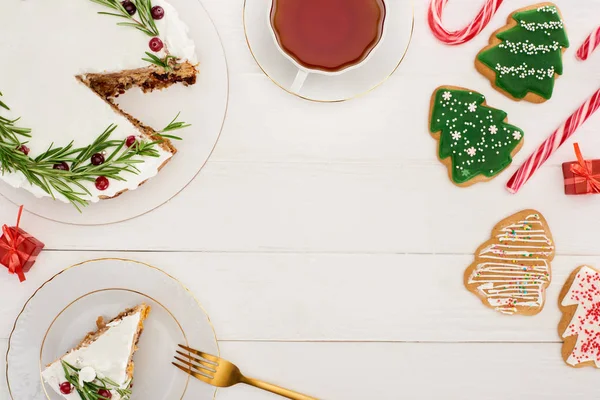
x=328 y=245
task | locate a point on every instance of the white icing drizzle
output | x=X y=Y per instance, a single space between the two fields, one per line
x=585 y=324
x=513 y=270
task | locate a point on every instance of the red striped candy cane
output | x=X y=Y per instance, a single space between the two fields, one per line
x=434 y=17
x=589 y=45
x=550 y=145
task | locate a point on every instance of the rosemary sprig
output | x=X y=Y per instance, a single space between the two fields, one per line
x=70 y=184
x=2 y=104
x=164 y=63
x=90 y=390
x=145 y=24
x=173 y=126
x=145 y=10
x=8 y=129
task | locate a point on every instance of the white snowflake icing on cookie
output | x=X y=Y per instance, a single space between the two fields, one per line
x=517 y=135
x=447 y=96
x=472 y=133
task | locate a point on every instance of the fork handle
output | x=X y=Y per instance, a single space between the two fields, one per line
x=276 y=389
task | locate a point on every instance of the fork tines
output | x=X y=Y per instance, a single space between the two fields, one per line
x=200 y=365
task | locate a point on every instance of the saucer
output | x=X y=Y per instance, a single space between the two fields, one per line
x=380 y=65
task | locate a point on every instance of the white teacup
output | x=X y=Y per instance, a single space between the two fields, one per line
x=303 y=71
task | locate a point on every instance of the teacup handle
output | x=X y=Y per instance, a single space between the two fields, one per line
x=299 y=80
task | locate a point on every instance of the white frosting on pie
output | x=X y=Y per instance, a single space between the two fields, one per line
x=108 y=356
x=44 y=45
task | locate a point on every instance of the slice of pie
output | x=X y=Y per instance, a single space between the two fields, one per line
x=103 y=362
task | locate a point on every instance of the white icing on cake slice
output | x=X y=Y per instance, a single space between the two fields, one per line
x=108 y=355
x=44 y=46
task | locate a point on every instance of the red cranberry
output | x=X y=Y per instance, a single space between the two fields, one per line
x=24 y=149
x=156 y=44
x=130 y=141
x=66 y=388
x=63 y=166
x=102 y=183
x=97 y=159
x=129 y=7
x=105 y=394
x=158 y=12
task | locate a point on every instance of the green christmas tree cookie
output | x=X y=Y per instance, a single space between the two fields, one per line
x=475 y=142
x=524 y=57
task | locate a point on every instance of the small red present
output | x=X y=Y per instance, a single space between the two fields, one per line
x=581 y=176
x=18 y=249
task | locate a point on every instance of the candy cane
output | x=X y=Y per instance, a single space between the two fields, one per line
x=550 y=145
x=434 y=17
x=589 y=45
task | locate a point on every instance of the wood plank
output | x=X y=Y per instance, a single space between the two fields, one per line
x=331 y=208
x=391 y=127
x=360 y=297
x=358 y=371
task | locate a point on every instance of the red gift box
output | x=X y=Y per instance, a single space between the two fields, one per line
x=18 y=249
x=581 y=176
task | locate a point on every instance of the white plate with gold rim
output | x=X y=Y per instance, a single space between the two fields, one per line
x=66 y=307
x=203 y=105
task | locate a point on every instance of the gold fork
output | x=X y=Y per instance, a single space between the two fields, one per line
x=220 y=373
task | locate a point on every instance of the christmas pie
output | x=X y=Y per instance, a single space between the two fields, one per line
x=62 y=135
x=101 y=366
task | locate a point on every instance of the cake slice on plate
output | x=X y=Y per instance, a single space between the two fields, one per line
x=101 y=366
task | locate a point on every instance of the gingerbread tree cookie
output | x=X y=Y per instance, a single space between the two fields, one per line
x=525 y=56
x=512 y=269
x=579 y=302
x=475 y=142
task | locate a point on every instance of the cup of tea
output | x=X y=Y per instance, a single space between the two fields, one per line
x=326 y=36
